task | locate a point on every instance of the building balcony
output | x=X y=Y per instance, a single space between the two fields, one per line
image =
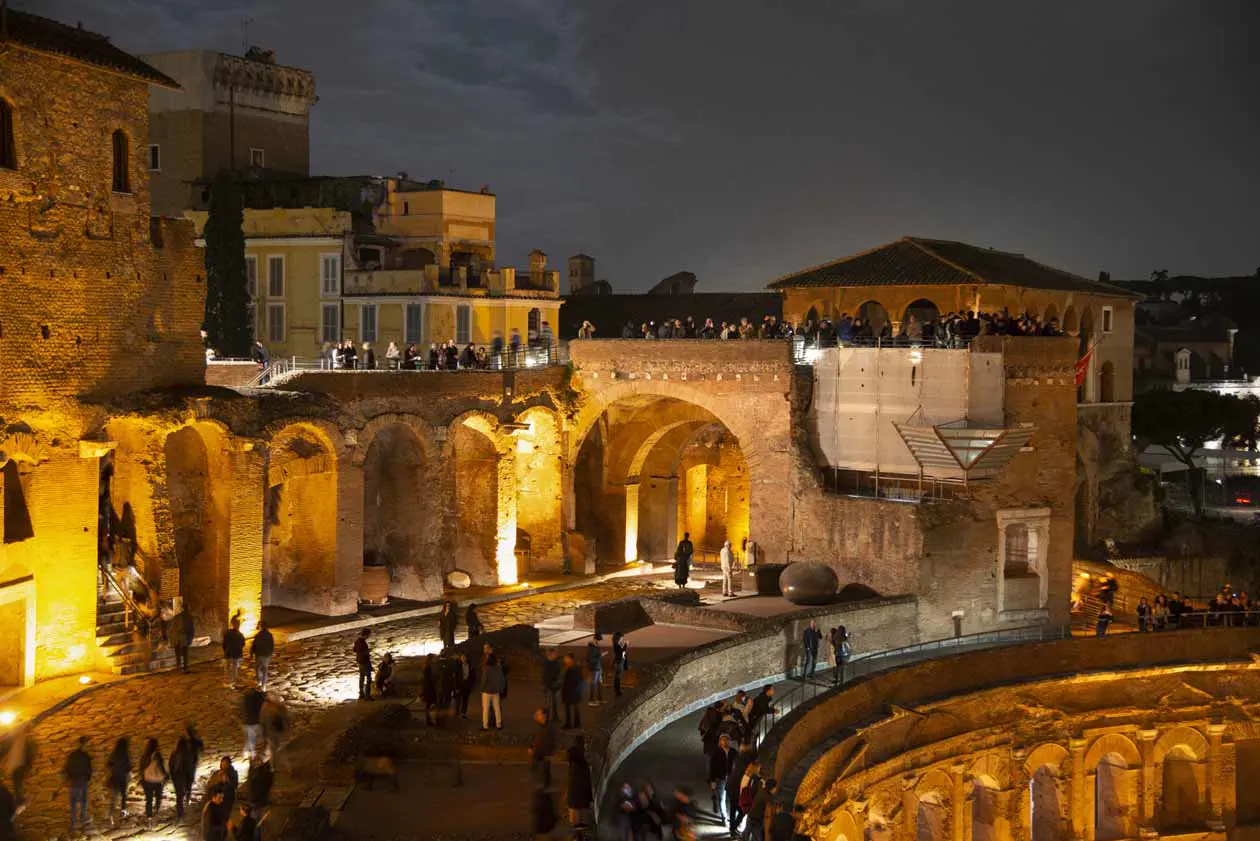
x=460 y=280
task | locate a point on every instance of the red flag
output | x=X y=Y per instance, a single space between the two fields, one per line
x=1082 y=366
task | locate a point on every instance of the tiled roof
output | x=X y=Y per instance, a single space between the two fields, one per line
x=915 y=261
x=49 y=36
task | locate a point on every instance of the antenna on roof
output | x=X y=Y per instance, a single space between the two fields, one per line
x=245 y=22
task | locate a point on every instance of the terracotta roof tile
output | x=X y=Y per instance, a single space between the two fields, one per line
x=49 y=36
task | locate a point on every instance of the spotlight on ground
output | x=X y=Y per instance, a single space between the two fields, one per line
x=7 y=718
x=85 y=680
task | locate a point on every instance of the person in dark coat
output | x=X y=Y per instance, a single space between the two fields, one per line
x=543 y=812
x=153 y=777
x=466 y=677
x=233 y=651
x=542 y=747
x=78 y=774
x=447 y=623
x=579 y=792
x=181 y=636
x=118 y=769
x=183 y=767
x=259 y=780
x=682 y=560
x=246 y=828
x=263 y=648
x=224 y=781
x=385 y=676
x=762 y=706
x=571 y=693
x=473 y=621
x=8 y=810
x=363 y=657
x=214 y=817
x=811 y=639
x=251 y=719
x=720 y=762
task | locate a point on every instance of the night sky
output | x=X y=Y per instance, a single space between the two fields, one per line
x=743 y=140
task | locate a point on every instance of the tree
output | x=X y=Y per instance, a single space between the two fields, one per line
x=1183 y=422
x=228 y=327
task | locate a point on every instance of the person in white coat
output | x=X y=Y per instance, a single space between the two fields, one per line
x=727 y=558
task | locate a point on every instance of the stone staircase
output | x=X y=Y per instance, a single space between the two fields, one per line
x=120 y=638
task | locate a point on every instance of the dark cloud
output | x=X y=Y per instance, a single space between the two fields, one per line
x=742 y=140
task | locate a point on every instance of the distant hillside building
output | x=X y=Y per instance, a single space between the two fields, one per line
x=582 y=277
x=679 y=283
x=245 y=113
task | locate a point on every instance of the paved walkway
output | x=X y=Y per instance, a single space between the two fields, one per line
x=316 y=678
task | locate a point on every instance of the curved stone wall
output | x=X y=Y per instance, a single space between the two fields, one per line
x=1143 y=735
x=761 y=655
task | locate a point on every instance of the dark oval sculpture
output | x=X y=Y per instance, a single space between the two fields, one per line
x=809 y=582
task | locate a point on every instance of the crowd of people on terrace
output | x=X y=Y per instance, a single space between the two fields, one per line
x=923 y=327
x=444 y=356
x=1229 y=608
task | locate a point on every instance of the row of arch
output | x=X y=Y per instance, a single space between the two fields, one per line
x=1107 y=789
x=1070 y=319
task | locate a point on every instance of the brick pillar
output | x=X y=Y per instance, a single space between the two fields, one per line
x=960 y=818
x=348 y=564
x=1219 y=781
x=505 y=530
x=1146 y=779
x=632 y=522
x=1019 y=813
x=245 y=529
x=1079 y=796
x=671 y=518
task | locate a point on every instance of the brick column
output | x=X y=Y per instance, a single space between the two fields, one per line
x=348 y=563
x=632 y=522
x=1219 y=781
x=245 y=532
x=671 y=516
x=505 y=529
x=1018 y=811
x=960 y=815
x=1079 y=798
x=1146 y=779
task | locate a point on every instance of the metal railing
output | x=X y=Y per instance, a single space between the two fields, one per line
x=134 y=616
x=507 y=359
x=809 y=687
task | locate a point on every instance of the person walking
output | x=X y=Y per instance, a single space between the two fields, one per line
x=579 y=791
x=811 y=640
x=743 y=758
x=720 y=761
x=264 y=646
x=183 y=767
x=493 y=681
x=233 y=651
x=181 y=634
x=1105 y=618
x=621 y=660
x=447 y=622
x=118 y=769
x=571 y=693
x=467 y=677
x=595 y=666
x=214 y=817
x=153 y=777
x=552 y=677
x=542 y=747
x=762 y=706
x=749 y=788
x=78 y=774
x=756 y=829
x=363 y=657
x=682 y=560
x=841 y=651
x=18 y=760
x=473 y=621
x=251 y=719
x=727 y=558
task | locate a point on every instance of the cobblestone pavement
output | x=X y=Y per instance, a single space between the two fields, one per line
x=315 y=677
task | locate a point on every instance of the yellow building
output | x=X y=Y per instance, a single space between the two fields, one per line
x=382 y=260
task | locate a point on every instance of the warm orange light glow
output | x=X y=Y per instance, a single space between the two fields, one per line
x=632 y=523
x=85 y=680
x=505 y=556
x=7 y=718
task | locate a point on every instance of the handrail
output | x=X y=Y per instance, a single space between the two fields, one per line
x=130 y=605
x=507 y=359
x=809 y=688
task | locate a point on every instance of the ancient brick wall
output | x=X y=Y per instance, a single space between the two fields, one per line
x=96 y=302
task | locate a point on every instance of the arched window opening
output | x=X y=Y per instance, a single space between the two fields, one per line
x=1114 y=793
x=122 y=163
x=1183 y=783
x=984 y=810
x=8 y=150
x=932 y=820
x=1045 y=807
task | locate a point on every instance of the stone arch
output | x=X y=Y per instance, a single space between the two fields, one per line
x=923 y=310
x=1071 y=322
x=1051 y=312
x=474 y=450
x=538 y=451
x=1182 y=784
x=300 y=567
x=1049 y=754
x=872 y=312
x=1187 y=738
x=401 y=513
x=199 y=495
x=419 y=428
x=1113 y=743
x=933 y=820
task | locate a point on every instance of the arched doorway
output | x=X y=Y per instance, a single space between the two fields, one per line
x=875 y=316
x=984 y=809
x=651 y=468
x=1113 y=798
x=476 y=504
x=1051 y=316
x=1182 y=785
x=198 y=486
x=401 y=529
x=1070 y=322
x=300 y=540
x=919 y=314
x=932 y=818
